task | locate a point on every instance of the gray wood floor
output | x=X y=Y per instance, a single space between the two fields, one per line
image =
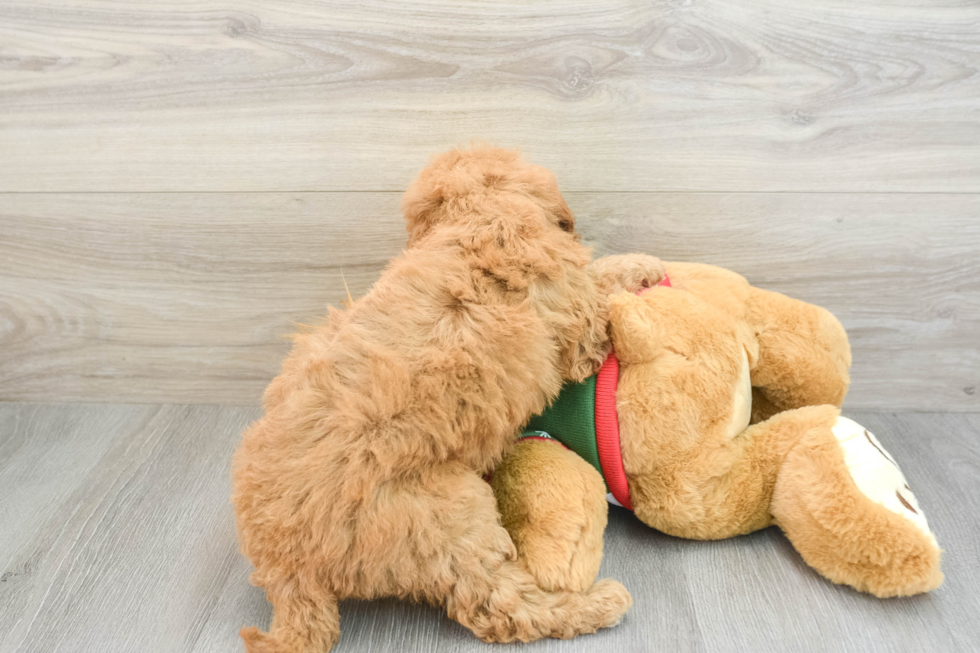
x=117 y=535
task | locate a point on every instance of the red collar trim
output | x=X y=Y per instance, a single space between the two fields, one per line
x=607 y=426
x=607 y=431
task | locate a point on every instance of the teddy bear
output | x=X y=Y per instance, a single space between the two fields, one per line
x=717 y=414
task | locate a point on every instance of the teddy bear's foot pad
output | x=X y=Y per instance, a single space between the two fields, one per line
x=876 y=473
x=847 y=508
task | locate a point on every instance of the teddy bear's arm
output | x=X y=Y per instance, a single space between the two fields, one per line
x=553 y=504
x=804 y=356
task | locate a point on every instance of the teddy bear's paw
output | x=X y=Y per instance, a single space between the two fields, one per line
x=876 y=473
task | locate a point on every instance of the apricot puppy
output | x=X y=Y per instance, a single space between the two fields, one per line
x=363 y=479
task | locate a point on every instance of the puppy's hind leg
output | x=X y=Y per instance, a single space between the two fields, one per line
x=302 y=622
x=491 y=593
x=507 y=605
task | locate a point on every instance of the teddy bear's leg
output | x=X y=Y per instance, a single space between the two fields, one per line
x=711 y=491
x=827 y=482
x=804 y=355
x=553 y=504
x=846 y=507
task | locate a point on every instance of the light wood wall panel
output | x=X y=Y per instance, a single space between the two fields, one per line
x=186 y=297
x=713 y=95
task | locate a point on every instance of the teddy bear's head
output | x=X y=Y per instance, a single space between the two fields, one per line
x=680 y=365
x=683 y=380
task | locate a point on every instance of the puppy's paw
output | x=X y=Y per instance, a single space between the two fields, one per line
x=627 y=272
x=612 y=599
x=584 y=366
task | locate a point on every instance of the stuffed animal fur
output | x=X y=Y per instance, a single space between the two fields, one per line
x=717 y=415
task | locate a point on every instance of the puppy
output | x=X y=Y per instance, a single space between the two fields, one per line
x=364 y=477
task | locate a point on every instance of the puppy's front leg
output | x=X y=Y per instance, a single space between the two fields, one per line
x=626 y=272
x=587 y=346
x=585 y=334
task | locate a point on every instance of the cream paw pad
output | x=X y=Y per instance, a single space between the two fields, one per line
x=876 y=473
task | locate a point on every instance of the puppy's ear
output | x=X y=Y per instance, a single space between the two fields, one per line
x=420 y=205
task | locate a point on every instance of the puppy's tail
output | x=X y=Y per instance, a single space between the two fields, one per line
x=299 y=625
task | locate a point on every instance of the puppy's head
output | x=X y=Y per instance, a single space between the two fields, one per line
x=461 y=186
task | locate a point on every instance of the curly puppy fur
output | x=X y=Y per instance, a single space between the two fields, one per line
x=363 y=479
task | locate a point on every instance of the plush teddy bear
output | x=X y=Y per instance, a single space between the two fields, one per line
x=716 y=415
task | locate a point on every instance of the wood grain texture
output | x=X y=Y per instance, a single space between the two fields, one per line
x=117 y=525
x=732 y=95
x=118 y=537
x=188 y=297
